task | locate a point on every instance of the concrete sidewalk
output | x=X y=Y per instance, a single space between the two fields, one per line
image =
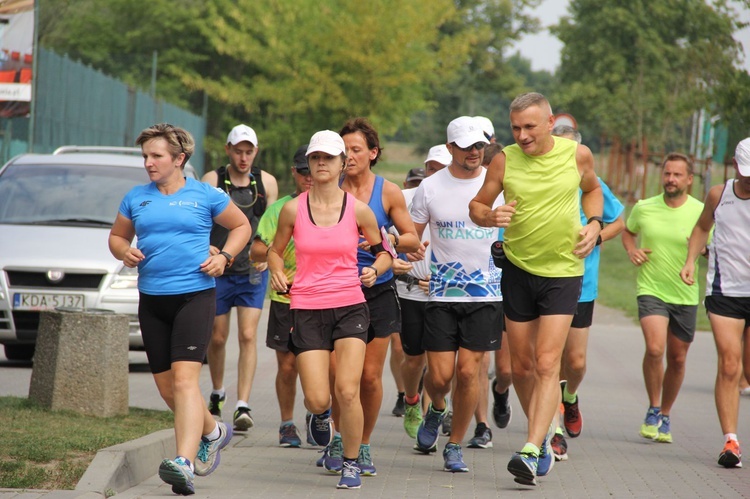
x=609 y=459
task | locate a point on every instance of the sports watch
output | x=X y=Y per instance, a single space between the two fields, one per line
x=230 y=258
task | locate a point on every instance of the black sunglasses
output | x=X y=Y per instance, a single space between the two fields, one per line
x=478 y=146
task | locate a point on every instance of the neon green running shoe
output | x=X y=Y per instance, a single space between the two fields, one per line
x=412 y=419
x=665 y=432
x=650 y=426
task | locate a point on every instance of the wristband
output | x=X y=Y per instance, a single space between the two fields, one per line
x=598 y=219
x=373 y=268
x=230 y=258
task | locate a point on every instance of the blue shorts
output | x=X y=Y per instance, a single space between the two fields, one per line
x=236 y=291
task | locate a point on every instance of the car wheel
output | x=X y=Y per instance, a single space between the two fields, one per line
x=19 y=352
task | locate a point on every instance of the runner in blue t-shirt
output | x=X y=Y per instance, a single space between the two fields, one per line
x=573 y=366
x=172 y=218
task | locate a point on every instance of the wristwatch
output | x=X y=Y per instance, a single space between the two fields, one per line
x=598 y=219
x=230 y=258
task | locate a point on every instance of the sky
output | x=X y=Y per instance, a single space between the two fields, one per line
x=543 y=49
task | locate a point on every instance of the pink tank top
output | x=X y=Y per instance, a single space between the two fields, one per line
x=327 y=274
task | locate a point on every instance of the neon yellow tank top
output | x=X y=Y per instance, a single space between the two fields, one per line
x=544 y=230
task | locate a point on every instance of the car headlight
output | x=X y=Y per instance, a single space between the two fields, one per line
x=127 y=278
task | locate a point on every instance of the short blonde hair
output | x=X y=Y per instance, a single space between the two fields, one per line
x=178 y=139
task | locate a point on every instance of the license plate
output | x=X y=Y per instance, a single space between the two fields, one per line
x=45 y=301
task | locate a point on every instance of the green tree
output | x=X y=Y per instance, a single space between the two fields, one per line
x=641 y=68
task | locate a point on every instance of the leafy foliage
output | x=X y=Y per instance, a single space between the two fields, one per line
x=641 y=68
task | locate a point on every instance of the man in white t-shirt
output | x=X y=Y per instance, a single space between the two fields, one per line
x=463 y=318
x=413 y=300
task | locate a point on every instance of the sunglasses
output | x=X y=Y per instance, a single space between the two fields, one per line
x=478 y=146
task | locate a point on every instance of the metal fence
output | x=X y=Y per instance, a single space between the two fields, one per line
x=78 y=105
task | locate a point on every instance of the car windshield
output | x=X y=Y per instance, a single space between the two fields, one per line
x=65 y=194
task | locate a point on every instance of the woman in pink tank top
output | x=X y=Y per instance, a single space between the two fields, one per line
x=327 y=303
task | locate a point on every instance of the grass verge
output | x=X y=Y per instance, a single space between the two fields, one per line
x=50 y=450
x=617 y=278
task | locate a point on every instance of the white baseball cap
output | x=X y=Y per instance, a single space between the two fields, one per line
x=742 y=157
x=486 y=124
x=326 y=141
x=465 y=131
x=440 y=154
x=242 y=133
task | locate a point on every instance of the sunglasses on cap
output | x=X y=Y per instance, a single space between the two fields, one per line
x=478 y=146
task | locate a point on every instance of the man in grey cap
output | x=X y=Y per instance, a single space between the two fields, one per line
x=279 y=315
x=243 y=284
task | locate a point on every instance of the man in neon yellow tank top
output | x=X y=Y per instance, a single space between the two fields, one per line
x=544 y=245
x=666 y=307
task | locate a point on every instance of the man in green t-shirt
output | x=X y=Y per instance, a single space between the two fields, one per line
x=279 y=316
x=666 y=307
x=544 y=246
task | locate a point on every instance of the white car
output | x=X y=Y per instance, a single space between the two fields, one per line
x=56 y=211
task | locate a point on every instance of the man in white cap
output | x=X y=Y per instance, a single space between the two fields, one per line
x=487 y=128
x=243 y=284
x=543 y=248
x=464 y=311
x=727 y=290
x=413 y=299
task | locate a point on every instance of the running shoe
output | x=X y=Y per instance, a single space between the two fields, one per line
x=448 y=423
x=364 y=461
x=209 y=455
x=572 y=419
x=413 y=418
x=482 y=438
x=178 y=474
x=400 y=408
x=665 y=432
x=501 y=410
x=309 y=437
x=215 y=404
x=242 y=419
x=559 y=447
x=650 y=426
x=289 y=436
x=546 y=460
x=454 y=459
x=333 y=457
x=349 y=476
x=523 y=467
x=730 y=456
x=320 y=428
x=429 y=430
x=321 y=460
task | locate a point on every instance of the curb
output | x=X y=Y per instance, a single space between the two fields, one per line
x=120 y=467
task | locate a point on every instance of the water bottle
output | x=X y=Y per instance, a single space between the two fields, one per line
x=498 y=254
x=255 y=277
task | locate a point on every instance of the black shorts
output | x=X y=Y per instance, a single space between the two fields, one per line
x=475 y=326
x=385 y=312
x=319 y=329
x=730 y=306
x=279 y=325
x=584 y=316
x=412 y=325
x=176 y=327
x=527 y=296
x=681 y=317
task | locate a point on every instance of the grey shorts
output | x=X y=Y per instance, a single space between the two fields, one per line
x=681 y=317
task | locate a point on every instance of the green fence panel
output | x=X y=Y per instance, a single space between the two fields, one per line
x=75 y=104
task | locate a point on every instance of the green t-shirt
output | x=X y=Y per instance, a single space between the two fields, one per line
x=665 y=231
x=543 y=232
x=267 y=227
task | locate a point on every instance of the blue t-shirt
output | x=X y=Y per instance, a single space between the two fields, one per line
x=613 y=208
x=173 y=234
